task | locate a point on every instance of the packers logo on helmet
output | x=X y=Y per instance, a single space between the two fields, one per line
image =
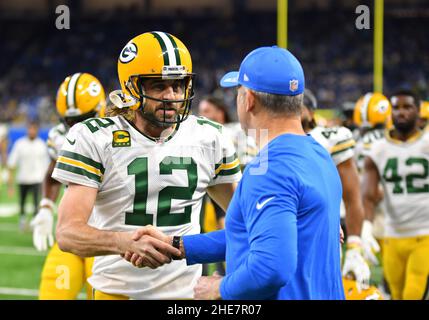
x=371 y=110
x=128 y=53
x=80 y=96
x=148 y=56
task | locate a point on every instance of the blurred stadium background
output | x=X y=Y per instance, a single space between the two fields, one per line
x=337 y=60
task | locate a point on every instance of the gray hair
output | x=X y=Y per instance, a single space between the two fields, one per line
x=280 y=104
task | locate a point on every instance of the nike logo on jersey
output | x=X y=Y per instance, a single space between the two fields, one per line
x=71 y=142
x=260 y=205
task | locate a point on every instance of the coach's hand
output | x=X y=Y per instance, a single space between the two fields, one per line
x=207 y=288
x=150 y=248
x=43 y=225
x=355 y=266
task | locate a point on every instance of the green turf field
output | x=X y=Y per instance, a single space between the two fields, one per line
x=21 y=264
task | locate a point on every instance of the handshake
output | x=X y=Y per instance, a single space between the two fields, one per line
x=149 y=247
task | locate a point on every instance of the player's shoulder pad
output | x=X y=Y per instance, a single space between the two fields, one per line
x=58 y=130
x=336 y=134
x=206 y=126
x=98 y=127
x=98 y=130
x=372 y=136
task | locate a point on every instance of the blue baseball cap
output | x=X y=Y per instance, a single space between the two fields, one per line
x=268 y=69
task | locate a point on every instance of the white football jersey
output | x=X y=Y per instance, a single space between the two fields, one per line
x=364 y=144
x=339 y=142
x=144 y=181
x=56 y=138
x=404 y=174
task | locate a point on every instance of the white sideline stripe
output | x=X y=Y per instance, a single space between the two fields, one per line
x=26 y=251
x=9 y=210
x=19 y=292
x=29 y=292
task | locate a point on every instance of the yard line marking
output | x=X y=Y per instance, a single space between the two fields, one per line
x=25 y=251
x=12 y=209
x=19 y=292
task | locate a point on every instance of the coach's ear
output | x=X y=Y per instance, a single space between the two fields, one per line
x=250 y=100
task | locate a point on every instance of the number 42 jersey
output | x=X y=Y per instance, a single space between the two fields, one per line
x=404 y=172
x=143 y=181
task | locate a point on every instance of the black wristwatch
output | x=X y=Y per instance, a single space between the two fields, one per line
x=176 y=244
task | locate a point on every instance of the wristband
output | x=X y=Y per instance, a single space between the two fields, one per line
x=47 y=203
x=353 y=242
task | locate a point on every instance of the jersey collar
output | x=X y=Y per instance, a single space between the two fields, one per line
x=156 y=140
x=411 y=139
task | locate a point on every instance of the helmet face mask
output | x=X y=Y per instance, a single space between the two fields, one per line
x=154 y=56
x=137 y=84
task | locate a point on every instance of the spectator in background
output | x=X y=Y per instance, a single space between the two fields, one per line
x=29 y=156
x=214 y=109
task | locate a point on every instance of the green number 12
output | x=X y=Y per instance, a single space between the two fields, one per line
x=139 y=216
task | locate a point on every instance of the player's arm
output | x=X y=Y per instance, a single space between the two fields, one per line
x=371 y=179
x=222 y=194
x=351 y=197
x=354 y=262
x=371 y=197
x=76 y=236
x=51 y=187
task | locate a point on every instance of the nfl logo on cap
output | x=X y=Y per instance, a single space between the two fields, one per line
x=293 y=85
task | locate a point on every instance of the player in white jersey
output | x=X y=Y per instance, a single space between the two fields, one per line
x=372 y=114
x=79 y=97
x=151 y=164
x=400 y=161
x=339 y=142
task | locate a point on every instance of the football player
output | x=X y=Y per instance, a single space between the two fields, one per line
x=372 y=115
x=339 y=142
x=80 y=96
x=150 y=164
x=400 y=161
